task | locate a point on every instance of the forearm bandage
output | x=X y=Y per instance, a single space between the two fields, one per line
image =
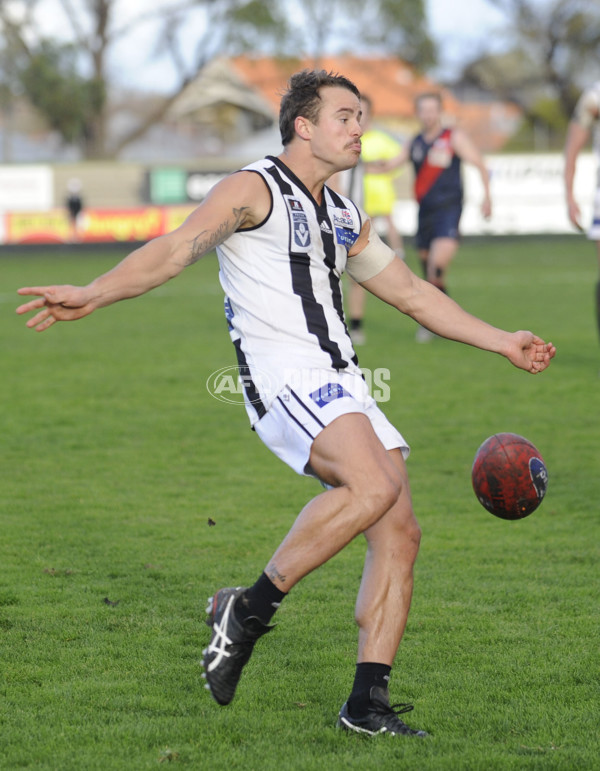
x=372 y=260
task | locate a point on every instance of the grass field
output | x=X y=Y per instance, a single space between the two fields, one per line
x=115 y=457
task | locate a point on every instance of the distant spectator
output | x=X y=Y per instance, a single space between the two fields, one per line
x=74 y=204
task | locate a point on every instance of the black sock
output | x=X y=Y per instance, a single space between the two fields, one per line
x=439 y=280
x=598 y=305
x=367 y=675
x=355 y=324
x=260 y=600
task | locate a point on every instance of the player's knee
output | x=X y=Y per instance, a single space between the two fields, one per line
x=387 y=495
x=403 y=543
x=412 y=536
x=382 y=494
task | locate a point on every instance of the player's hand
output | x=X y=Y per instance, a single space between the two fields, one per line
x=529 y=352
x=55 y=303
x=574 y=214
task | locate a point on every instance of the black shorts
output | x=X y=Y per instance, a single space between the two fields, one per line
x=438 y=222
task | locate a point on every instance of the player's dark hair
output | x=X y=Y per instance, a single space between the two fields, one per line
x=302 y=98
x=428 y=95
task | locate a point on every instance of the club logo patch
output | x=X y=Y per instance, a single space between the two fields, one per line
x=329 y=393
x=299 y=223
x=539 y=476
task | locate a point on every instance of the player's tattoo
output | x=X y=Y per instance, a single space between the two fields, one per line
x=207 y=240
x=274 y=574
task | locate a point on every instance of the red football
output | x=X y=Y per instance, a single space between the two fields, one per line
x=509 y=476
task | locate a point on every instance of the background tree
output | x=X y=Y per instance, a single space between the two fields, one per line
x=553 y=51
x=69 y=81
x=395 y=27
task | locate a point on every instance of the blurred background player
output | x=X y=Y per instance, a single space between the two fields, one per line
x=74 y=204
x=374 y=192
x=436 y=154
x=586 y=119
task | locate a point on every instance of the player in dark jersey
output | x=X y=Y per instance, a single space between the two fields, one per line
x=436 y=155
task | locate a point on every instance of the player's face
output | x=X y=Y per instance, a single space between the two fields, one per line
x=336 y=135
x=429 y=113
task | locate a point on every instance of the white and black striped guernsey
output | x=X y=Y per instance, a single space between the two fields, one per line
x=282 y=284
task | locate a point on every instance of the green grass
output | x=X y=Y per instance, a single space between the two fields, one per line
x=115 y=457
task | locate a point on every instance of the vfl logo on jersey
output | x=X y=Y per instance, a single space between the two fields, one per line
x=329 y=393
x=299 y=225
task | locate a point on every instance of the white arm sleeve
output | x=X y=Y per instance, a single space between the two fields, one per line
x=372 y=260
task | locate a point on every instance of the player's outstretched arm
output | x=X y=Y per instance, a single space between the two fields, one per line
x=397 y=285
x=241 y=199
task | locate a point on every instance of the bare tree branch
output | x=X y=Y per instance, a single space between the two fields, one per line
x=81 y=38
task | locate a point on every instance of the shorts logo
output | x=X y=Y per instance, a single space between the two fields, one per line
x=329 y=393
x=299 y=222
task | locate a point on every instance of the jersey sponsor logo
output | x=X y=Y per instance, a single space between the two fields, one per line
x=329 y=393
x=299 y=222
x=326 y=227
x=346 y=237
x=343 y=218
x=440 y=155
x=343 y=223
